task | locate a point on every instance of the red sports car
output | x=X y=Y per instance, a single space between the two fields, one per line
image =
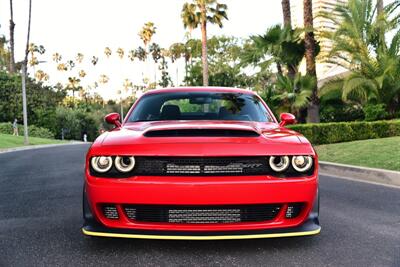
x=201 y=163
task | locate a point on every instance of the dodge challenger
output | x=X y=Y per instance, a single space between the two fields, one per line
x=200 y=163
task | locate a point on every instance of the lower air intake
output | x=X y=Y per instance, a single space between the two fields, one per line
x=202 y=214
x=110 y=212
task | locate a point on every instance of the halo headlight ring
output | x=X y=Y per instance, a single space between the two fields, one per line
x=124 y=163
x=281 y=165
x=302 y=163
x=101 y=164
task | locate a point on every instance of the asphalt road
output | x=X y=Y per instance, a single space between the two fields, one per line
x=40 y=220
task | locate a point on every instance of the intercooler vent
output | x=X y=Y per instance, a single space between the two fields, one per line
x=110 y=212
x=202 y=214
x=201 y=133
x=293 y=210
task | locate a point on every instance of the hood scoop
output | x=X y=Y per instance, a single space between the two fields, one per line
x=201 y=133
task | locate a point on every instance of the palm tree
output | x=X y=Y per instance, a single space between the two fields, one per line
x=199 y=13
x=12 y=27
x=278 y=45
x=176 y=51
x=310 y=54
x=24 y=71
x=147 y=32
x=287 y=18
x=374 y=66
x=79 y=57
x=73 y=85
x=293 y=94
x=120 y=53
x=107 y=52
x=57 y=57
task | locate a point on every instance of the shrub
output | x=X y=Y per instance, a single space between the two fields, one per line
x=337 y=113
x=375 y=112
x=34 y=131
x=335 y=132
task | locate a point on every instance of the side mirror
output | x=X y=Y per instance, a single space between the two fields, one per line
x=113 y=118
x=286 y=119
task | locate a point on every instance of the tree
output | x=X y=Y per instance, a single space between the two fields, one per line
x=199 y=13
x=361 y=46
x=287 y=18
x=292 y=94
x=310 y=54
x=278 y=45
x=147 y=32
x=12 y=28
x=176 y=51
x=24 y=66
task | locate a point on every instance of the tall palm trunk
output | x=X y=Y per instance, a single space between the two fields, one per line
x=24 y=71
x=287 y=22
x=287 y=17
x=204 y=44
x=12 y=27
x=379 y=7
x=313 y=108
x=382 y=39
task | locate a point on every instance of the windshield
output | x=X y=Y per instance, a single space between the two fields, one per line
x=200 y=106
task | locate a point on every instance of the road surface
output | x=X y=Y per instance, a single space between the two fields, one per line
x=40 y=220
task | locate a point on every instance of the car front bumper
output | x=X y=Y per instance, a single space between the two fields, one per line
x=229 y=190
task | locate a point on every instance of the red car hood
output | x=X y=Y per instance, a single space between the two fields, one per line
x=272 y=139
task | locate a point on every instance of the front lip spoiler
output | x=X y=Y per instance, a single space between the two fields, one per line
x=310 y=227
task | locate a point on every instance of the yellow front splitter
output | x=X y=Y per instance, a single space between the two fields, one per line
x=194 y=237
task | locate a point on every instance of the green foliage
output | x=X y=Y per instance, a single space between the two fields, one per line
x=279 y=45
x=362 y=45
x=375 y=112
x=341 y=112
x=292 y=94
x=327 y=133
x=75 y=122
x=6 y=128
x=224 y=58
x=41 y=99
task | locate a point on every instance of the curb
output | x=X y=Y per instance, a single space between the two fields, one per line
x=22 y=148
x=365 y=174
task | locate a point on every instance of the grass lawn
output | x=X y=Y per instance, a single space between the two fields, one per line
x=381 y=153
x=9 y=141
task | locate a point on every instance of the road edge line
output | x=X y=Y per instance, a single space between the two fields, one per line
x=22 y=148
x=364 y=174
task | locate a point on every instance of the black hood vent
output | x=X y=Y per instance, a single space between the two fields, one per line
x=201 y=133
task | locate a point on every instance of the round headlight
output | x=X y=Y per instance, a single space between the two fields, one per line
x=124 y=164
x=279 y=163
x=302 y=163
x=101 y=164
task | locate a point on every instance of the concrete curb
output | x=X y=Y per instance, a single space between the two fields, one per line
x=365 y=174
x=22 y=148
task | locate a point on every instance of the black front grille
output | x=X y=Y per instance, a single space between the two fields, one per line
x=201 y=133
x=202 y=214
x=201 y=166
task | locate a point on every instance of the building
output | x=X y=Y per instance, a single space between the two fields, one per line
x=321 y=24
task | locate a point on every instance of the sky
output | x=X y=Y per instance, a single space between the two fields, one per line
x=88 y=26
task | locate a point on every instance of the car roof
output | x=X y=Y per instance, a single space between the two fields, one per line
x=200 y=89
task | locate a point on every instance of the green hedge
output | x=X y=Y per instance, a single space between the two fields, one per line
x=34 y=131
x=336 y=132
